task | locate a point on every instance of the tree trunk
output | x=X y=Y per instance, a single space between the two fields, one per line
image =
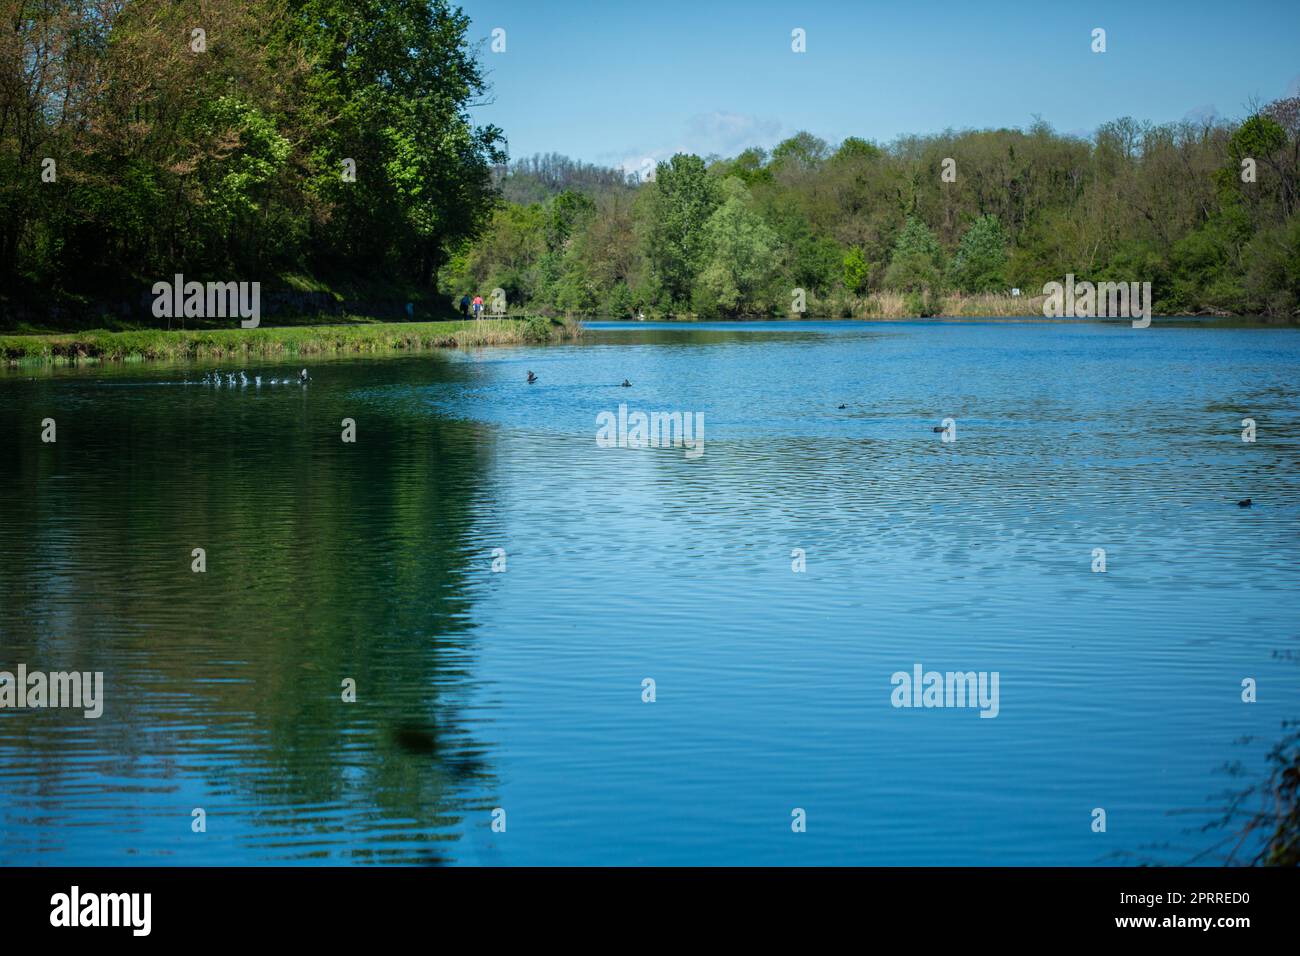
x=430 y=261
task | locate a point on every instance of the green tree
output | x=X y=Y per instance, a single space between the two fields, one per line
x=1273 y=274
x=740 y=255
x=682 y=198
x=917 y=260
x=856 y=271
x=565 y=213
x=855 y=150
x=390 y=89
x=802 y=152
x=749 y=167
x=980 y=262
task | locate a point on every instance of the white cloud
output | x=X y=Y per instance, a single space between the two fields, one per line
x=719 y=132
x=729 y=133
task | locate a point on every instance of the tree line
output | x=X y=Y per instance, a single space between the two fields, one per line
x=304 y=141
x=236 y=140
x=1205 y=211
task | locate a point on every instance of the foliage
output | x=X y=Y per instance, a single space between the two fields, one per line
x=917 y=260
x=1137 y=202
x=856 y=271
x=979 y=264
x=681 y=200
x=738 y=256
x=226 y=160
x=228 y=165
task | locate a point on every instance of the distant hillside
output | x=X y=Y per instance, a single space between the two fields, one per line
x=541 y=176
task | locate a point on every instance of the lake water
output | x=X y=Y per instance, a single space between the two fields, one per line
x=522 y=689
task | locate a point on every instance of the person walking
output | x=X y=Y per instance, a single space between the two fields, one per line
x=478 y=306
x=464 y=306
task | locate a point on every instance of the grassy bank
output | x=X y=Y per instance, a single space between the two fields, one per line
x=154 y=344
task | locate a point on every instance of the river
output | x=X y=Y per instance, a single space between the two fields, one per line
x=511 y=685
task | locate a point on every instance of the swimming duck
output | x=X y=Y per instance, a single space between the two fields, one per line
x=1244 y=503
x=531 y=378
x=303 y=377
x=937 y=428
x=626 y=384
x=844 y=406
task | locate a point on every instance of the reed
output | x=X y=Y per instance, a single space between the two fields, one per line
x=900 y=305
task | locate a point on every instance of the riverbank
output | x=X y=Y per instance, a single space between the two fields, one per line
x=162 y=344
x=983 y=307
x=891 y=305
x=952 y=305
x=875 y=305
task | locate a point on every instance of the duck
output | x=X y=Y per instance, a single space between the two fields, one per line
x=937 y=428
x=303 y=377
x=626 y=384
x=1244 y=503
x=843 y=407
x=531 y=378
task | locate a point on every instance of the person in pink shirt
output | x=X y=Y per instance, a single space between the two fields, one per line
x=478 y=306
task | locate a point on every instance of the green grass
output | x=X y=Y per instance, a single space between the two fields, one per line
x=159 y=344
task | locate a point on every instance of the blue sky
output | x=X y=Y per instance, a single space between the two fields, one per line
x=618 y=82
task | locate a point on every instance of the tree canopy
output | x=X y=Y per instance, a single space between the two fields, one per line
x=1170 y=204
x=273 y=138
x=237 y=140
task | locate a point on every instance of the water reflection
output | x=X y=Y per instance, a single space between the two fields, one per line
x=324 y=561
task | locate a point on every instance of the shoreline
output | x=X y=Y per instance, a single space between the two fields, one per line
x=324 y=339
x=1226 y=321
x=71 y=348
